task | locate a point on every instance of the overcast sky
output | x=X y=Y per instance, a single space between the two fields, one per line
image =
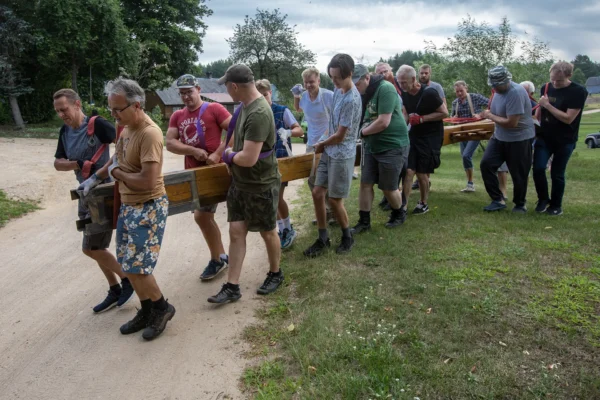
x=383 y=28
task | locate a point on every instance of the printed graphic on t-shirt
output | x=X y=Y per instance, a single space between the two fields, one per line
x=188 y=132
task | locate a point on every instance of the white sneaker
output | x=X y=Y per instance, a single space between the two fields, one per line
x=470 y=188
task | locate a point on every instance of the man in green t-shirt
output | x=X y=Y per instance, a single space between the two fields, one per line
x=254 y=192
x=385 y=146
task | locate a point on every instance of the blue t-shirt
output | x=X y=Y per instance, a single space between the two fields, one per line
x=515 y=101
x=347 y=110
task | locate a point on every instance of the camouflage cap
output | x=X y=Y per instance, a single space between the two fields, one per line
x=186 y=81
x=237 y=73
x=498 y=76
x=360 y=70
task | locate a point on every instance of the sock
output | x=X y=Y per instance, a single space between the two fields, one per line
x=125 y=281
x=323 y=234
x=346 y=232
x=276 y=273
x=234 y=287
x=224 y=257
x=396 y=211
x=469 y=182
x=280 y=225
x=146 y=306
x=160 y=304
x=116 y=289
x=365 y=216
x=287 y=224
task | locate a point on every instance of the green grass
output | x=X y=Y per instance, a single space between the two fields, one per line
x=455 y=304
x=14 y=208
x=45 y=130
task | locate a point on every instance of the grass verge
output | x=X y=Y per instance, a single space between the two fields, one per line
x=454 y=304
x=14 y=208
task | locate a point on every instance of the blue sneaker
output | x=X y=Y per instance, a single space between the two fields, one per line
x=109 y=302
x=495 y=205
x=214 y=268
x=287 y=237
x=127 y=293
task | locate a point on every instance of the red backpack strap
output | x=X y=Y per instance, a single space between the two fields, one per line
x=546 y=89
x=91 y=124
x=87 y=165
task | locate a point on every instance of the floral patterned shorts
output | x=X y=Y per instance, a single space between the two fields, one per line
x=140 y=230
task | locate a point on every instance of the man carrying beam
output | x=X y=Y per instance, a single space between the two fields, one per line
x=338 y=152
x=83 y=148
x=137 y=166
x=195 y=132
x=287 y=127
x=254 y=192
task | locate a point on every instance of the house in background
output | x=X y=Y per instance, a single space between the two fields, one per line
x=593 y=85
x=168 y=100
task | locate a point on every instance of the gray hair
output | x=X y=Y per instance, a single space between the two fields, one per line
x=127 y=88
x=529 y=86
x=379 y=64
x=406 y=70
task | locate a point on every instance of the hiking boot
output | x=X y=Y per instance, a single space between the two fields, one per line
x=541 y=206
x=214 y=268
x=158 y=322
x=364 y=222
x=227 y=294
x=397 y=218
x=271 y=283
x=109 y=302
x=139 y=322
x=495 y=205
x=521 y=209
x=287 y=237
x=345 y=246
x=126 y=293
x=421 y=208
x=383 y=202
x=469 y=188
x=317 y=248
x=554 y=211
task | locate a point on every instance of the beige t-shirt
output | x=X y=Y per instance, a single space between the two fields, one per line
x=134 y=148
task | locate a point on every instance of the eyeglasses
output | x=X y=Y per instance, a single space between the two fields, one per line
x=186 y=94
x=118 y=111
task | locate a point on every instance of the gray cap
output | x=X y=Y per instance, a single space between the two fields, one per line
x=499 y=76
x=237 y=73
x=360 y=70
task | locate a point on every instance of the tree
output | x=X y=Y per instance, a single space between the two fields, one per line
x=270 y=47
x=169 y=33
x=587 y=66
x=216 y=68
x=407 y=57
x=15 y=38
x=578 y=76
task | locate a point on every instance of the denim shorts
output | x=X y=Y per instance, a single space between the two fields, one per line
x=140 y=231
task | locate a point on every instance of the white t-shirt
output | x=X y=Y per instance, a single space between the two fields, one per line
x=315 y=114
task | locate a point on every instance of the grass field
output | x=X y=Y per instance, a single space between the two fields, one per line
x=14 y=208
x=454 y=304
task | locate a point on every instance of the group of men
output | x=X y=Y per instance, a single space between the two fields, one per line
x=398 y=119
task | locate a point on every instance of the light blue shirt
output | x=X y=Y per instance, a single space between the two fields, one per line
x=316 y=114
x=347 y=110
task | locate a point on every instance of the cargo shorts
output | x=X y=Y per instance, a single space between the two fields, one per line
x=258 y=210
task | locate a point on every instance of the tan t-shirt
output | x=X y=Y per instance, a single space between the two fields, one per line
x=134 y=148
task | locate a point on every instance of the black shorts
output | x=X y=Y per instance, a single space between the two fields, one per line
x=424 y=154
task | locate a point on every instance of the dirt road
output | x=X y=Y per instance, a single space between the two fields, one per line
x=51 y=344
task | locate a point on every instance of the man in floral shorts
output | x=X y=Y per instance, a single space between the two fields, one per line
x=137 y=165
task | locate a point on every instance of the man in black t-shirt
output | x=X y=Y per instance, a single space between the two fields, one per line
x=426 y=111
x=559 y=115
x=74 y=152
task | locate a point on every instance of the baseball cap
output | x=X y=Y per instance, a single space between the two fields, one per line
x=186 y=81
x=237 y=73
x=360 y=70
x=498 y=76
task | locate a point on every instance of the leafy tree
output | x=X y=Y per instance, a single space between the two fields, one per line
x=326 y=81
x=15 y=38
x=270 y=47
x=407 y=57
x=216 y=68
x=169 y=34
x=587 y=66
x=578 y=76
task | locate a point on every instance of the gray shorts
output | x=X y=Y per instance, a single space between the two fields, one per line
x=503 y=168
x=383 y=168
x=335 y=175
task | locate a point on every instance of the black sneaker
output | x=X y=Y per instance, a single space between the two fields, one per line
x=520 y=209
x=213 y=269
x=415 y=185
x=317 y=248
x=227 y=294
x=158 y=322
x=345 y=246
x=109 y=302
x=127 y=293
x=383 y=202
x=397 y=218
x=139 y=322
x=554 y=211
x=272 y=282
x=362 y=226
x=420 y=209
x=541 y=206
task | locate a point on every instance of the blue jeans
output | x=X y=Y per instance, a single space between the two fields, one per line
x=562 y=153
x=467 y=149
